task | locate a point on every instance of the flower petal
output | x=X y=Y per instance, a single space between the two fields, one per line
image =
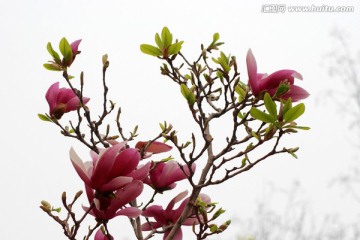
x=252 y=72
x=79 y=166
x=296 y=93
x=52 y=95
x=103 y=166
x=125 y=163
x=115 y=184
x=154 y=147
x=131 y=212
x=140 y=173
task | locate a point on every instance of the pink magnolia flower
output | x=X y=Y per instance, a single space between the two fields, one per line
x=113 y=204
x=101 y=236
x=62 y=100
x=167 y=217
x=163 y=175
x=260 y=82
x=75 y=50
x=112 y=169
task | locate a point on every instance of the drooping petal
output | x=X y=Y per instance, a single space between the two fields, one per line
x=176 y=199
x=101 y=236
x=252 y=72
x=79 y=166
x=154 y=147
x=131 y=212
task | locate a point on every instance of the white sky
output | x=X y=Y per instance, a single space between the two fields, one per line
x=35 y=164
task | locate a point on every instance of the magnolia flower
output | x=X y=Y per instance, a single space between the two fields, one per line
x=62 y=100
x=101 y=236
x=113 y=205
x=167 y=217
x=112 y=169
x=260 y=82
x=163 y=175
x=75 y=50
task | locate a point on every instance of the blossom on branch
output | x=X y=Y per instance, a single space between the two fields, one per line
x=262 y=82
x=163 y=175
x=112 y=204
x=62 y=100
x=167 y=217
x=112 y=169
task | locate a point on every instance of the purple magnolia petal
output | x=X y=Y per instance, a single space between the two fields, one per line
x=104 y=165
x=52 y=95
x=148 y=226
x=115 y=184
x=101 y=236
x=79 y=166
x=131 y=212
x=274 y=79
x=176 y=199
x=75 y=46
x=125 y=163
x=72 y=104
x=141 y=173
x=178 y=235
x=155 y=147
x=156 y=212
x=252 y=72
x=296 y=93
x=125 y=195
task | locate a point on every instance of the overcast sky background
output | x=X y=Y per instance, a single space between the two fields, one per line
x=35 y=163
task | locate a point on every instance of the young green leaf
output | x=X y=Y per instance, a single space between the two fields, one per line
x=189 y=96
x=53 y=53
x=52 y=66
x=65 y=50
x=166 y=37
x=270 y=105
x=260 y=115
x=158 y=41
x=216 y=37
x=44 y=118
x=287 y=106
x=175 y=48
x=293 y=113
x=151 y=50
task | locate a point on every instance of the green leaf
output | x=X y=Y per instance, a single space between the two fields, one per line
x=297 y=127
x=189 y=96
x=260 y=115
x=166 y=37
x=44 y=118
x=65 y=50
x=218 y=213
x=287 y=106
x=175 y=48
x=293 y=113
x=270 y=105
x=151 y=50
x=158 y=41
x=53 y=53
x=52 y=67
x=216 y=37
